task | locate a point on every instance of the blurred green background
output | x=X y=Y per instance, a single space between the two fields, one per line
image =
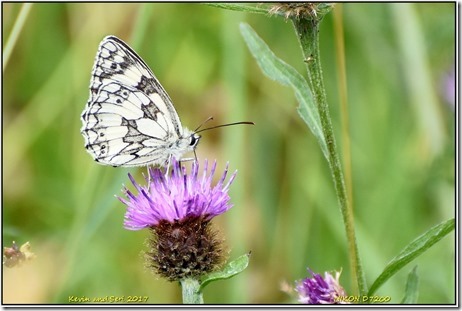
x=402 y=131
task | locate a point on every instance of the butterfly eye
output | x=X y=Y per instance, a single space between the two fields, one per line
x=194 y=139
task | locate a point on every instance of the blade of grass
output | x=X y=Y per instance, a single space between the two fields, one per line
x=411 y=293
x=13 y=38
x=237 y=109
x=140 y=28
x=418 y=77
x=412 y=251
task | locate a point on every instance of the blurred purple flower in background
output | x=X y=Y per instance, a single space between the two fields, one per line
x=449 y=88
x=319 y=290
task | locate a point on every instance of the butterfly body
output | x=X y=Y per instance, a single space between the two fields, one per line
x=129 y=119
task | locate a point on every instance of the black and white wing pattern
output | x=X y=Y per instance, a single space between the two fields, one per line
x=129 y=119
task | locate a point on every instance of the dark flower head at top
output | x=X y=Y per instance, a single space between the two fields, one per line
x=178 y=207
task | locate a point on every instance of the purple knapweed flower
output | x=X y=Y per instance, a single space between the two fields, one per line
x=176 y=196
x=319 y=290
x=177 y=208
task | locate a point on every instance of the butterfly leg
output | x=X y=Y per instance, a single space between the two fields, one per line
x=148 y=179
x=167 y=167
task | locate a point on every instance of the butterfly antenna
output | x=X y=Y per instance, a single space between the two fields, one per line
x=223 y=125
x=208 y=119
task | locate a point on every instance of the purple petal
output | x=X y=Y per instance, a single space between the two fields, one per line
x=176 y=195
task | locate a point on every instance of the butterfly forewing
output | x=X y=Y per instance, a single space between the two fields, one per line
x=129 y=119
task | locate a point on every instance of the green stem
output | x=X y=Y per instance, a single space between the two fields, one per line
x=307 y=30
x=191 y=291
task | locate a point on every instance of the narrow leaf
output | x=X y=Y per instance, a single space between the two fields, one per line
x=231 y=269
x=239 y=7
x=413 y=250
x=411 y=293
x=277 y=70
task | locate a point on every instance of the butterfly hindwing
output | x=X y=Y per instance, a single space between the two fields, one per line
x=129 y=119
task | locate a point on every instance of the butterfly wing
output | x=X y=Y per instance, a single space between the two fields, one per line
x=129 y=119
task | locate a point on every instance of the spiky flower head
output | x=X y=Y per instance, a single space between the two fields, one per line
x=178 y=207
x=301 y=10
x=319 y=290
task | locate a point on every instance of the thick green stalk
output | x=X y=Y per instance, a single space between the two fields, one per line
x=191 y=291
x=307 y=30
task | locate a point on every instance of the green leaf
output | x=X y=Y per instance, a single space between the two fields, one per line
x=239 y=7
x=411 y=293
x=231 y=269
x=277 y=70
x=413 y=250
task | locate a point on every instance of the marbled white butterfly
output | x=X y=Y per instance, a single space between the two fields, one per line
x=129 y=119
